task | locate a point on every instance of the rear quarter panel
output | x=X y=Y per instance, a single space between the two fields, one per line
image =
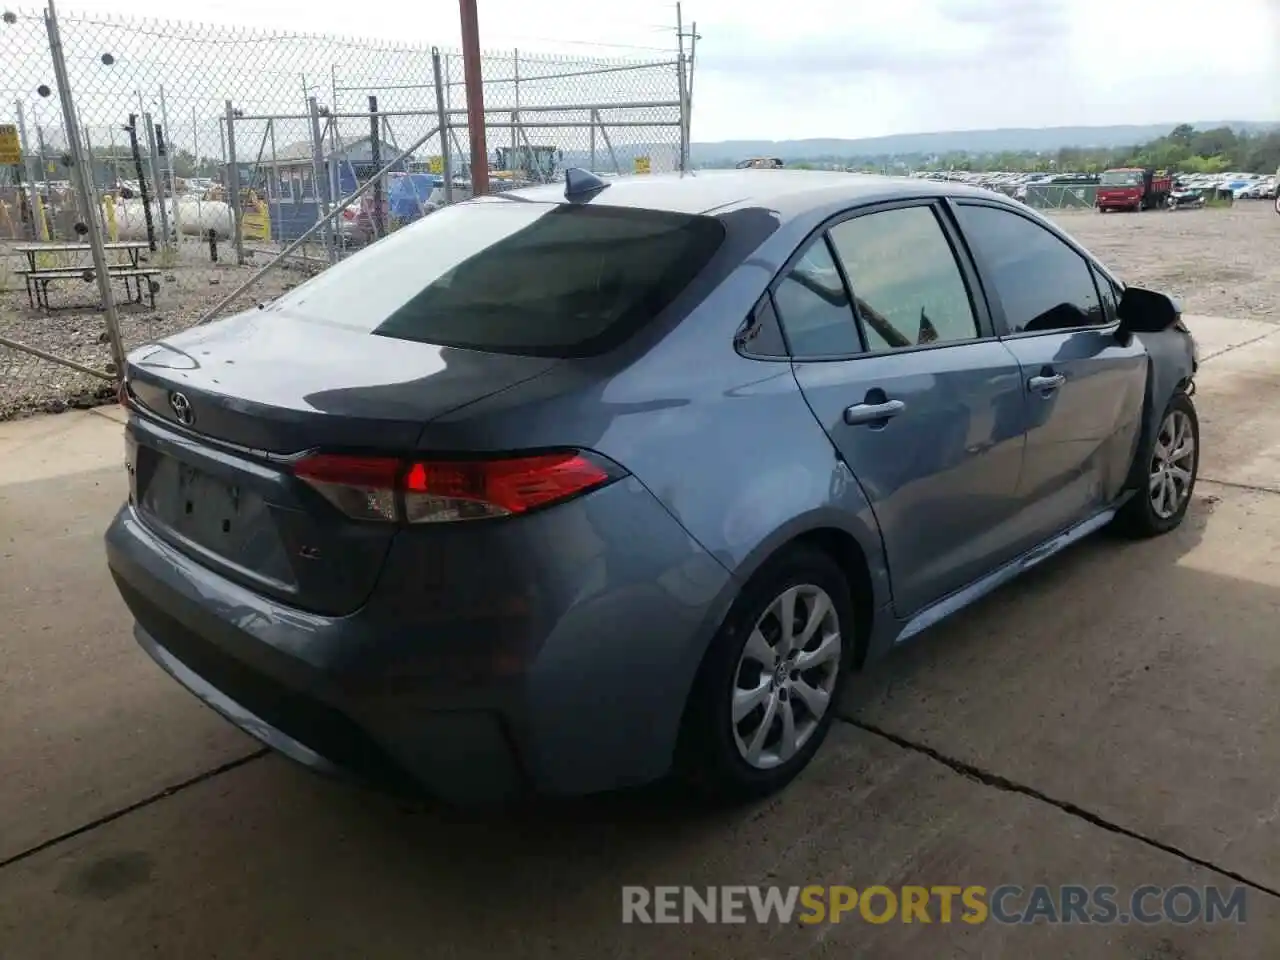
x=728 y=444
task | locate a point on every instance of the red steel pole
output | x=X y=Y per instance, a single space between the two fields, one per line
x=475 y=97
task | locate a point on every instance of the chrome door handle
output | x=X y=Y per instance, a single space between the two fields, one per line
x=872 y=412
x=1046 y=384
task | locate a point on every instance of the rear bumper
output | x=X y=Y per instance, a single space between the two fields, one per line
x=560 y=670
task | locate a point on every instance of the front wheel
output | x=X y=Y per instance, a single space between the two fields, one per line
x=765 y=694
x=1171 y=464
x=1277 y=204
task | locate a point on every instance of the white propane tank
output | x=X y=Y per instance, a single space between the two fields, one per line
x=195 y=218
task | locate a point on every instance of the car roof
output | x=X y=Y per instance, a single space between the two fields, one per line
x=789 y=193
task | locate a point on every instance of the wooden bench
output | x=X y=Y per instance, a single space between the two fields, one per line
x=38 y=281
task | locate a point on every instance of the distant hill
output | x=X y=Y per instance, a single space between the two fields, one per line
x=971 y=141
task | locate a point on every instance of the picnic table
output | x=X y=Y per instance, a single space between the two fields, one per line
x=132 y=274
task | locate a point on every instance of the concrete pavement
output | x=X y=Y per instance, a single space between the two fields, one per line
x=1109 y=719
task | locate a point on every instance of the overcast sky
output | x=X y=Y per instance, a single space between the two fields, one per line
x=835 y=68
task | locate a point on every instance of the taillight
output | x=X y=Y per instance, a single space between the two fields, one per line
x=438 y=491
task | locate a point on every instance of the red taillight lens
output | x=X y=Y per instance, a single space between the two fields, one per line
x=384 y=488
x=361 y=487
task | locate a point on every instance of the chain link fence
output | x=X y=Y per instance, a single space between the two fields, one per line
x=212 y=149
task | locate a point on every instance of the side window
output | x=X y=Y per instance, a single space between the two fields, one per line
x=907 y=286
x=1042 y=283
x=1110 y=298
x=813 y=305
x=760 y=336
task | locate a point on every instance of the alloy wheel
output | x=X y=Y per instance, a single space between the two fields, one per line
x=1172 y=465
x=786 y=676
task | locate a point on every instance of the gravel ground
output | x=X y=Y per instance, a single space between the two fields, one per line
x=1223 y=261
x=74 y=329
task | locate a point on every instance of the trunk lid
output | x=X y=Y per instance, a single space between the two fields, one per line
x=223 y=409
x=277 y=383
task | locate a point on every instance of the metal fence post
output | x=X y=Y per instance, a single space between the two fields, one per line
x=168 y=155
x=136 y=151
x=45 y=214
x=320 y=180
x=233 y=185
x=686 y=110
x=39 y=230
x=443 y=116
x=157 y=181
x=515 y=114
x=684 y=130
x=375 y=154
x=595 y=118
x=84 y=188
x=275 y=187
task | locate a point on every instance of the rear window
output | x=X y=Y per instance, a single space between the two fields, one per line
x=508 y=276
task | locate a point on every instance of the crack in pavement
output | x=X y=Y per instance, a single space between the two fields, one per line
x=168 y=791
x=1253 y=487
x=995 y=780
x=1236 y=346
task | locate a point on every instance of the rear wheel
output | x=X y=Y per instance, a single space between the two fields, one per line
x=765 y=695
x=1171 y=464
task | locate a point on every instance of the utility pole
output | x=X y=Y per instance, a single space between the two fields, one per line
x=473 y=78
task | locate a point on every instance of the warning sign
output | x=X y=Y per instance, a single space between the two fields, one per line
x=10 y=149
x=642 y=164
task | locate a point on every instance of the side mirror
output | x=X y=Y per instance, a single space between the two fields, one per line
x=1146 y=311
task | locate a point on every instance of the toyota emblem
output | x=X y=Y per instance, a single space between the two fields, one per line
x=182 y=411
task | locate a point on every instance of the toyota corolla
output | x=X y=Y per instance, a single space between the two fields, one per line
x=594 y=483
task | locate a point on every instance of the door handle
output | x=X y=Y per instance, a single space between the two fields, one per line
x=1046 y=384
x=872 y=412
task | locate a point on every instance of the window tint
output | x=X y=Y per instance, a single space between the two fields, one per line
x=1042 y=283
x=814 y=307
x=907 y=286
x=509 y=277
x=760 y=335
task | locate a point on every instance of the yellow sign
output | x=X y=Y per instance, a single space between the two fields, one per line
x=10 y=148
x=256 y=222
x=435 y=164
x=642 y=164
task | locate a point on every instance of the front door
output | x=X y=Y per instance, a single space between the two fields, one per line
x=1084 y=390
x=922 y=404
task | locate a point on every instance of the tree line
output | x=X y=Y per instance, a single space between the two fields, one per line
x=1184 y=149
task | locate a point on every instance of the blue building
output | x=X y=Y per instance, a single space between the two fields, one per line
x=287 y=180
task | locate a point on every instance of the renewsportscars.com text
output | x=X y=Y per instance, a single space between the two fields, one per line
x=1006 y=904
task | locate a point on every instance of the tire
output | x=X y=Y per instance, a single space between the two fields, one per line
x=1144 y=514
x=1277 y=203
x=715 y=757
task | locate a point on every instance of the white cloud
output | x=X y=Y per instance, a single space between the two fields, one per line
x=835 y=68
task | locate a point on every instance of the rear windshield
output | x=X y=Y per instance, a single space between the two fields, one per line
x=1120 y=178
x=510 y=276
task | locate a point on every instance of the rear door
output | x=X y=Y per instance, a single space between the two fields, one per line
x=1084 y=390
x=918 y=397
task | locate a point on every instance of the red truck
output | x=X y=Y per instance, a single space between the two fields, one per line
x=1132 y=188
